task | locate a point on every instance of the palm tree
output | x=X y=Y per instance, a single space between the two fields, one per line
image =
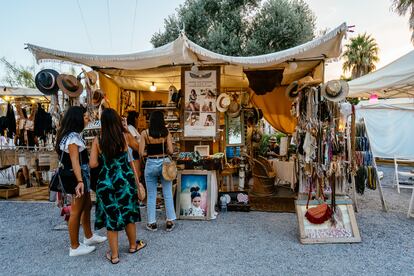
x=361 y=54
x=402 y=7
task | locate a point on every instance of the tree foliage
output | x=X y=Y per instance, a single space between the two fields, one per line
x=17 y=75
x=240 y=27
x=361 y=54
x=402 y=7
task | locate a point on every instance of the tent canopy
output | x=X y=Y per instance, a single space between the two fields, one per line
x=395 y=80
x=162 y=65
x=20 y=92
x=390 y=126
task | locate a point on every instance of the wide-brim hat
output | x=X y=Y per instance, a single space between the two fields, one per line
x=46 y=81
x=97 y=97
x=69 y=85
x=294 y=88
x=92 y=76
x=335 y=90
x=223 y=102
x=234 y=109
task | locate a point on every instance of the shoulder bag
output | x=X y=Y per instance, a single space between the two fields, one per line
x=64 y=179
x=169 y=169
x=140 y=188
x=320 y=213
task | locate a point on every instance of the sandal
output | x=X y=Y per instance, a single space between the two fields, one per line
x=111 y=259
x=140 y=244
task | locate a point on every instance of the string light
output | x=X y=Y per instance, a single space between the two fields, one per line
x=293 y=66
x=153 y=88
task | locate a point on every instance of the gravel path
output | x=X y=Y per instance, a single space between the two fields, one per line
x=252 y=243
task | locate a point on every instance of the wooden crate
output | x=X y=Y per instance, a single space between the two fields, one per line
x=8 y=191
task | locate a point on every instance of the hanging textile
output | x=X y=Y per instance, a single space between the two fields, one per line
x=276 y=109
x=42 y=123
x=11 y=121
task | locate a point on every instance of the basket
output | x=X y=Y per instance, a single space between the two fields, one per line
x=263 y=180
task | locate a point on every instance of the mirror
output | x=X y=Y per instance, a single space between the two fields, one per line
x=234 y=131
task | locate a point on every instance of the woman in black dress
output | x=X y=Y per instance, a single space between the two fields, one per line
x=116 y=192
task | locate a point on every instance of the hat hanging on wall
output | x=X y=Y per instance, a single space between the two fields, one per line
x=46 y=81
x=335 y=90
x=70 y=85
x=223 y=101
x=293 y=89
x=234 y=107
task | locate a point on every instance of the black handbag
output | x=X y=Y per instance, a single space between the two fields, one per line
x=64 y=179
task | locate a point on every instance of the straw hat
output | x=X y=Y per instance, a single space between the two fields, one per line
x=46 y=81
x=92 y=76
x=335 y=90
x=234 y=108
x=223 y=102
x=97 y=97
x=293 y=89
x=69 y=85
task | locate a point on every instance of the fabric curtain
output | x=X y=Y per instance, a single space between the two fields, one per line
x=111 y=90
x=390 y=132
x=276 y=109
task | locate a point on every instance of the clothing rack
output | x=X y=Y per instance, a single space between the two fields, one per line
x=365 y=158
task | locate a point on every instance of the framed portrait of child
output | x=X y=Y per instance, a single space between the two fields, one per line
x=194 y=194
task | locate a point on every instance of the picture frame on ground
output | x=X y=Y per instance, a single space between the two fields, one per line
x=203 y=150
x=193 y=194
x=344 y=230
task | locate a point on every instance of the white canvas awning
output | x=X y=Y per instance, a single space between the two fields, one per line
x=395 y=80
x=20 y=92
x=162 y=64
x=390 y=126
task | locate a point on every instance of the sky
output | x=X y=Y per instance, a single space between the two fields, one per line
x=107 y=26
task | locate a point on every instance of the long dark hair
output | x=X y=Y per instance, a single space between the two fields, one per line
x=157 y=128
x=71 y=122
x=132 y=118
x=112 y=140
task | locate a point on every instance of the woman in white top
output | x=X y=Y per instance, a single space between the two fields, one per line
x=74 y=157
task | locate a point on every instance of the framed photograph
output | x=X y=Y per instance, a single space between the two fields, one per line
x=343 y=229
x=194 y=194
x=203 y=150
x=199 y=109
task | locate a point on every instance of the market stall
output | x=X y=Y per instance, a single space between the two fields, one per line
x=23 y=140
x=213 y=106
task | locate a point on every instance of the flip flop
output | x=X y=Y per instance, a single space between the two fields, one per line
x=112 y=260
x=140 y=244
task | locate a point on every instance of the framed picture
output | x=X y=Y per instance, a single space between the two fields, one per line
x=203 y=150
x=199 y=109
x=344 y=229
x=234 y=130
x=194 y=194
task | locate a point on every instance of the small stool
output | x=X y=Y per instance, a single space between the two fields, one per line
x=227 y=180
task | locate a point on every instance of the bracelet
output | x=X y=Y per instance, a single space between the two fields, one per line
x=80 y=181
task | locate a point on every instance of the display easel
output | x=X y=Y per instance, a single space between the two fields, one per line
x=374 y=164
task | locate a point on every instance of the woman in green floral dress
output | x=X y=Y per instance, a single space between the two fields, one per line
x=116 y=193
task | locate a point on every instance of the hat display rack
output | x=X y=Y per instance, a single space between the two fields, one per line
x=322 y=149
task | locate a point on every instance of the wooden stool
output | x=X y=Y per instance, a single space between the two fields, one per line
x=226 y=179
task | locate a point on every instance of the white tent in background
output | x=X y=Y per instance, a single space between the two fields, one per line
x=395 y=80
x=390 y=127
